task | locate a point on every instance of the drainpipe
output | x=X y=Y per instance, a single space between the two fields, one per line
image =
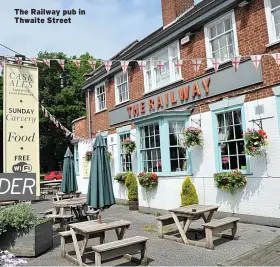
x=89 y=116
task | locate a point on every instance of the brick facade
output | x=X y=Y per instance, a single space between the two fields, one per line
x=252 y=35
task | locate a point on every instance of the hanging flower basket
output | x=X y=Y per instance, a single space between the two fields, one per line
x=120 y=177
x=193 y=137
x=255 y=141
x=88 y=155
x=129 y=145
x=148 y=180
x=230 y=181
x=109 y=155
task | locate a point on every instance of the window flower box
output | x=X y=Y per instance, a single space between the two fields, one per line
x=88 y=155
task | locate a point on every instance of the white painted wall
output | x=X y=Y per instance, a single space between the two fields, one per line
x=261 y=196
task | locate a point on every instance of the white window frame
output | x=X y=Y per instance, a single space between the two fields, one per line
x=116 y=88
x=172 y=69
x=270 y=22
x=96 y=97
x=207 y=38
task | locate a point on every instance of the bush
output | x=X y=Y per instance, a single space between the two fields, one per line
x=132 y=186
x=120 y=177
x=20 y=216
x=188 y=194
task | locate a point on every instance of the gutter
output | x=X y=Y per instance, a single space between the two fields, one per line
x=89 y=116
x=78 y=119
x=198 y=18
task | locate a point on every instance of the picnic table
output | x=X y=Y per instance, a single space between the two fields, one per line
x=191 y=213
x=50 y=182
x=89 y=228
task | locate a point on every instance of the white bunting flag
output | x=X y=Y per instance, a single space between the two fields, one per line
x=19 y=60
x=160 y=65
x=216 y=63
x=256 y=59
x=124 y=65
x=277 y=58
x=46 y=113
x=196 y=64
x=178 y=64
x=61 y=63
x=107 y=65
x=47 y=62
x=142 y=64
x=43 y=109
x=92 y=63
x=77 y=62
x=34 y=60
x=235 y=62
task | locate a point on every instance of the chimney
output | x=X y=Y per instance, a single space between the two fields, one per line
x=172 y=9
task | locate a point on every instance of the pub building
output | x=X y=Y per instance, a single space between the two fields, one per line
x=154 y=104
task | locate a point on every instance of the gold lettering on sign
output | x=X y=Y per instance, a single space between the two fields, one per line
x=184 y=93
x=173 y=100
x=129 y=109
x=151 y=104
x=142 y=107
x=159 y=102
x=136 y=110
x=195 y=90
x=205 y=84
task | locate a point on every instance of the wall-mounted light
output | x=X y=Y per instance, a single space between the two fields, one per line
x=246 y=2
x=187 y=38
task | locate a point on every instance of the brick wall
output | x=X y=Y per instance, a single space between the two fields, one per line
x=252 y=37
x=81 y=128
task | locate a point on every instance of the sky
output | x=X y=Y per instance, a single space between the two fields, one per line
x=106 y=28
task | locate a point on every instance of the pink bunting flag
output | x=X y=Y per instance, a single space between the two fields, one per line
x=68 y=133
x=142 y=64
x=277 y=58
x=61 y=63
x=235 y=62
x=47 y=62
x=107 y=65
x=178 y=64
x=19 y=60
x=124 y=65
x=160 y=65
x=46 y=113
x=92 y=63
x=216 y=63
x=34 y=60
x=256 y=59
x=77 y=62
x=196 y=64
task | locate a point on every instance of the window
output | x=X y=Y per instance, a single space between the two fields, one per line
x=150 y=148
x=178 y=160
x=121 y=88
x=76 y=158
x=156 y=78
x=230 y=140
x=125 y=159
x=221 y=39
x=100 y=97
x=272 y=8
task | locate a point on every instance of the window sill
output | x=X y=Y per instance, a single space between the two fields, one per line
x=223 y=63
x=168 y=84
x=244 y=173
x=100 y=111
x=119 y=104
x=273 y=43
x=174 y=175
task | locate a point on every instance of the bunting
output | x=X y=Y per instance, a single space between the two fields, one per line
x=19 y=60
x=160 y=65
x=256 y=59
x=235 y=62
x=61 y=63
x=47 y=62
x=92 y=63
x=124 y=65
x=141 y=64
x=216 y=63
x=277 y=58
x=77 y=62
x=178 y=64
x=196 y=64
x=34 y=60
x=107 y=65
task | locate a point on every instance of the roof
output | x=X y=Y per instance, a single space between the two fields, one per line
x=190 y=21
x=79 y=119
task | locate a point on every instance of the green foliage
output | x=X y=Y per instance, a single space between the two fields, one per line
x=20 y=216
x=129 y=145
x=230 y=181
x=148 y=180
x=65 y=103
x=188 y=194
x=132 y=186
x=120 y=177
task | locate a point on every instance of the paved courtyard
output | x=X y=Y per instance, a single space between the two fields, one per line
x=164 y=252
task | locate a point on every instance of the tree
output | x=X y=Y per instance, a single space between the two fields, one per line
x=65 y=101
x=188 y=194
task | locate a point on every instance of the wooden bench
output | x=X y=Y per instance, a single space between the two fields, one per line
x=166 y=220
x=66 y=238
x=92 y=214
x=120 y=248
x=218 y=226
x=63 y=219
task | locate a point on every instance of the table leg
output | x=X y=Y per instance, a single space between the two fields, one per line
x=76 y=247
x=120 y=232
x=181 y=230
x=84 y=245
x=210 y=216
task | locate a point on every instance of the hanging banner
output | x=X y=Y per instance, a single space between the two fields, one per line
x=21 y=121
